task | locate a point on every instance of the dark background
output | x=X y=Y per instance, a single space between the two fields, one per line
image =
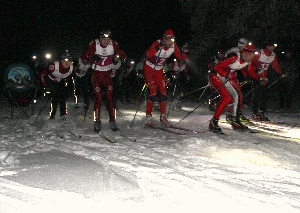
x=37 y=27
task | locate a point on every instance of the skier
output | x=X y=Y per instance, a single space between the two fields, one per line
x=258 y=70
x=223 y=79
x=82 y=82
x=54 y=78
x=116 y=77
x=140 y=79
x=242 y=42
x=288 y=84
x=179 y=80
x=156 y=56
x=211 y=64
x=128 y=78
x=100 y=53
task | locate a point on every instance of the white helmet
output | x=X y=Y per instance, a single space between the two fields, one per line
x=242 y=42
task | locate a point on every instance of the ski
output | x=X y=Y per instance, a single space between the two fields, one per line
x=166 y=130
x=121 y=134
x=103 y=136
x=248 y=130
x=185 y=129
x=220 y=132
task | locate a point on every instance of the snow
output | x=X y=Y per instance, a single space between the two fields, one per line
x=159 y=172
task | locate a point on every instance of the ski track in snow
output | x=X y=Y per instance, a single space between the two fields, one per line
x=250 y=171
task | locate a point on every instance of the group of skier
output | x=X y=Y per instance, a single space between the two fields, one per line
x=223 y=77
x=103 y=64
x=99 y=64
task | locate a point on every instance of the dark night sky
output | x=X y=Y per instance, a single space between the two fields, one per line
x=31 y=27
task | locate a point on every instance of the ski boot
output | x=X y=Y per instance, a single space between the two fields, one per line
x=113 y=126
x=149 y=121
x=236 y=124
x=63 y=118
x=214 y=126
x=243 y=118
x=164 y=121
x=263 y=117
x=228 y=117
x=97 y=126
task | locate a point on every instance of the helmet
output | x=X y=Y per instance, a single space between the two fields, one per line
x=249 y=48
x=270 y=43
x=242 y=42
x=105 y=34
x=169 y=33
x=221 y=51
x=66 y=55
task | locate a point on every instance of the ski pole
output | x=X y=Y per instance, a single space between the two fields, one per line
x=142 y=92
x=255 y=88
x=241 y=84
x=195 y=107
x=201 y=97
x=175 y=86
x=274 y=82
x=47 y=99
x=145 y=89
x=195 y=90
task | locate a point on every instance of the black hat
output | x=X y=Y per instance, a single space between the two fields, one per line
x=66 y=55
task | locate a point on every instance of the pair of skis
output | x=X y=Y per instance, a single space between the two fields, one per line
x=174 y=129
x=103 y=135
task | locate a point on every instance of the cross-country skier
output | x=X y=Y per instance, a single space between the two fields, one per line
x=83 y=82
x=259 y=72
x=156 y=56
x=179 y=80
x=223 y=79
x=242 y=42
x=211 y=64
x=54 y=77
x=100 y=53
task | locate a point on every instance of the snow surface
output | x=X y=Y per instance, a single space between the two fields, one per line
x=160 y=172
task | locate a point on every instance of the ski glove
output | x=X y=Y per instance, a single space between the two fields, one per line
x=161 y=45
x=284 y=75
x=264 y=81
x=96 y=57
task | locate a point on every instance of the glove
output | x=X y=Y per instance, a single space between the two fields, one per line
x=162 y=44
x=96 y=57
x=248 y=81
x=185 y=50
x=85 y=62
x=264 y=81
x=284 y=75
x=188 y=78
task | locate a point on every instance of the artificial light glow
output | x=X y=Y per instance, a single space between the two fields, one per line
x=132 y=62
x=173 y=40
x=48 y=56
x=34 y=57
x=275 y=45
x=174 y=59
x=106 y=35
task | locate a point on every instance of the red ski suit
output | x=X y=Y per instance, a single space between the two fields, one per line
x=102 y=69
x=153 y=71
x=223 y=78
